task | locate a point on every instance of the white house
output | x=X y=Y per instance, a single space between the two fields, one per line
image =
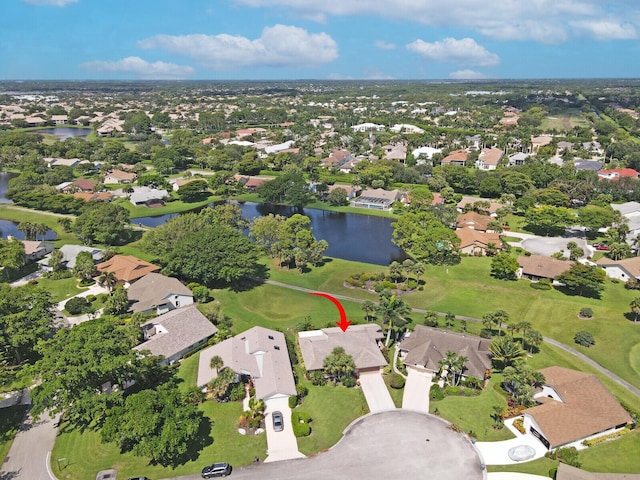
x=368 y=127
x=156 y=293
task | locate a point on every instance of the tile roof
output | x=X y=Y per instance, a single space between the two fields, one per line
x=127 y=268
x=473 y=220
x=152 y=289
x=359 y=341
x=544 y=267
x=456 y=156
x=567 y=472
x=469 y=236
x=427 y=346
x=587 y=407
x=490 y=156
x=631 y=265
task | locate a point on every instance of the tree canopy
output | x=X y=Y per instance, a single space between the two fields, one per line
x=585 y=280
x=425 y=238
x=104 y=223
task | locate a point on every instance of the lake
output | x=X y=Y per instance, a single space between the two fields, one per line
x=64 y=132
x=4 y=184
x=360 y=238
x=8 y=227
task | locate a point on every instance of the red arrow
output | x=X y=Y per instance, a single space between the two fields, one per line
x=343 y=323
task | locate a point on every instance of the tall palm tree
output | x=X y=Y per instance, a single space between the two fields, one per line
x=635 y=307
x=524 y=327
x=216 y=362
x=369 y=308
x=533 y=338
x=395 y=270
x=418 y=270
x=500 y=318
x=506 y=352
x=108 y=279
x=40 y=228
x=392 y=311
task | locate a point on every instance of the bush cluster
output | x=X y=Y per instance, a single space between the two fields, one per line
x=77 y=306
x=435 y=393
x=567 y=455
x=396 y=381
x=605 y=438
x=584 y=338
x=300 y=423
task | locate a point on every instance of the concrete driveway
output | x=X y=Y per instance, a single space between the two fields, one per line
x=416 y=390
x=496 y=453
x=280 y=445
x=375 y=391
x=547 y=246
x=94 y=289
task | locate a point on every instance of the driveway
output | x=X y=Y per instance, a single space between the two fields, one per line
x=496 y=453
x=547 y=246
x=280 y=445
x=94 y=289
x=376 y=393
x=416 y=390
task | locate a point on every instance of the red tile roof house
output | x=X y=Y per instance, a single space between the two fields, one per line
x=118 y=176
x=574 y=406
x=616 y=173
x=457 y=157
x=489 y=158
x=127 y=268
x=474 y=242
x=474 y=220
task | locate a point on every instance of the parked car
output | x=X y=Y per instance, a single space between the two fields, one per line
x=138 y=478
x=601 y=246
x=216 y=470
x=278 y=422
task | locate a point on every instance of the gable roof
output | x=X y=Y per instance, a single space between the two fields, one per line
x=177 y=330
x=469 y=236
x=473 y=220
x=259 y=352
x=616 y=173
x=359 y=341
x=543 y=267
x=567 y=472
x=456 y=156
x=630 y=265
x=84 y=184
x=150 y=290
x=490 y=156
x=627 y=207
x=587 y=407
x=427 y=346
x=127 y=268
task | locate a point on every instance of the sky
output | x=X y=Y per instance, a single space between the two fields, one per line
x=318 y=39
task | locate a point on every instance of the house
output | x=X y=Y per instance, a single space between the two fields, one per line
x=467 y=202
x=60 y=119
x=127 y=268
x=279 y=147
x=156 y=293
x=351 y=191
x=421 y=153
x=62 y=162
x=176 y=333
x=536 y=267
x=377 y=199
x=573 y=406
x=359 y=341
x=567 y=472
x=148 y=196
x=83 y=185
x=118 y=177
x=630 y=211
x=457 y=157
x=474 y=221
x=368 y=127
x=425 y=347
x=474 y=242
x=489 y=158
x=258 y=353
x=518 y=158
x=109 y=126
x=616 y=173
x=94 y=196
x=396 y=152
x=69 y=255
x=588 y=165
x=541 y=141
x=36 y=249
x=336 y=159
x=624 y=269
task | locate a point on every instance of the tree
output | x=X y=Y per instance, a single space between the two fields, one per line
x=290 y=188
x=584 y=338
x=431 y=319
x=214 y=255
x=339 y=364
x=454 y=366
x=12 y=254
x=533 y=338
x=55 y=261
x=548 y=219
x=575 y=252
x=595 y=217
x=217 y=363
x=227 y=214
x=505 y=352
x=85 y=267
x=117 y=303
x=504 y=266
x=392 y=311
x=635 y=307
x=369 y=309
x=108 y=279
x=337 y=197
x=395 y=271
x=137 y=123
x=193 y=191
x=423 y=236
x=418 y=270
x=585 y=280
x=163 y=239
x=104 y=223
x=618 y=251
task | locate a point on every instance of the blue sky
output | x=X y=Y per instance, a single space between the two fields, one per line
x=319 y=39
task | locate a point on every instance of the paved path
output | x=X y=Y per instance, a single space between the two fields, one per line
x=416 y=390
x=28 y=458
x=514 y=476
x=496 y=453
x=396 y=352
x=376 y=392
x=593 y=363
x=281 y=445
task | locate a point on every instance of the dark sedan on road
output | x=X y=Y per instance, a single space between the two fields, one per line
x=216 y=470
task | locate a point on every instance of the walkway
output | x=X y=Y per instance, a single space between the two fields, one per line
x=281 y=445
x=597 y=366
x=92 y=290
x=416 y=390
x=496 y=453
x=376 y=392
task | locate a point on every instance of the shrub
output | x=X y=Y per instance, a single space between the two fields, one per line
x=584 y=338
x=485 y=333
x=565 y=455
x=435 y=393
x=293 y=401
x=586 y=312
x=301 y=429
x=102 y=297
x=91 y=298
x=302 y=390
x=518 y=424
x=605 y=438
x=348 y=382
x=317 y=378
x=202 y=294
x=632 y=284
x=378 y=288
x=237 y=392
x=303 y=417
x=412 y=284
x=396 y=381
x=77 y=305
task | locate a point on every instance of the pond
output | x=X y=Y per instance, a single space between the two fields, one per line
x=8 y=227
x=64 y=132
x=4 y=184
x=360 y=238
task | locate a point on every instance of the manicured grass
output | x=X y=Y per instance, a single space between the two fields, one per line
x=61 y=289
x=86 y=455
x=557 y=121
x=618 y=456
x=10 y=420
x=541 y=467
x=171 y=207
x=332 y=409
x=188 y=371
x=396 y=393
x=474 y=413
x=51 y=221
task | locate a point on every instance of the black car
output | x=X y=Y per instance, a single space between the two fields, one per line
x=216 y=470
x=278 y=424
x=138 y=478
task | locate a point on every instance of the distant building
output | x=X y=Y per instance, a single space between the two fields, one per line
x=489 y=158
x=617 y=173
x=457 y=157
x=377 y=199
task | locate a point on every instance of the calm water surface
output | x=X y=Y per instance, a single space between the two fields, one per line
x=64 y=132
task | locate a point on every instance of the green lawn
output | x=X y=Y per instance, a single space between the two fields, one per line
x=396 y=393
x=86 y=455
x=171 y=207
x=188 y=371
x=619 y=456
x=474 y=413
x=332 y=409
x=61 y=289
x=10 y=420
x=541 y=467
x=15 y=215
x=565 y=121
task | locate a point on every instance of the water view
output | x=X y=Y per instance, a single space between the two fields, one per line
x=64 y=132
x=4 y=185
x=9 y=228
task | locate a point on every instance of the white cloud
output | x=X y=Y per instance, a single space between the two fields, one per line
x=382 y=45
x=141 y=68
x=466 y=75
x=55 y=3
x=544 y=21
x=464 y=52
x=605 y=29
x=278 y=46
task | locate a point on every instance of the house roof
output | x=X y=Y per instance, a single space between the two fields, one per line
x=32 y=246
x=359 y=341
x=587 y=407
x=179 y=329
x=127 y=268
x=626 y=208
x=96 y=197
x=631 y=265
x=70 y=252
x=493 y=206
x=84 y=184
x=146 y=194
x=456 y=156
x=542 y=140
x=379 y=195
x=427 y=346
x=544 y=267
x=567 y=472
x=152 y=289
x=590 y=165
x=469 y=236
x=120 y=175
x=618 y=172
x=490 y=156
x=259 y=352
x=473 y=220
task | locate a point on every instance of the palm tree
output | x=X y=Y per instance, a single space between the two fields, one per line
x=513 y=328
x=418 y=270
x=533 y=338
x=487 y=321
x=407 y=265
x=65 y=222
x=217 y=363
x=505 y=352
x=395 y=271
x=500 y=317
x=392 y=310
x=28 y=229
x=40 y=228
x=449 y=319
x=369 y=308
x=635 y=307
x=524 y=327
x=108 y=279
